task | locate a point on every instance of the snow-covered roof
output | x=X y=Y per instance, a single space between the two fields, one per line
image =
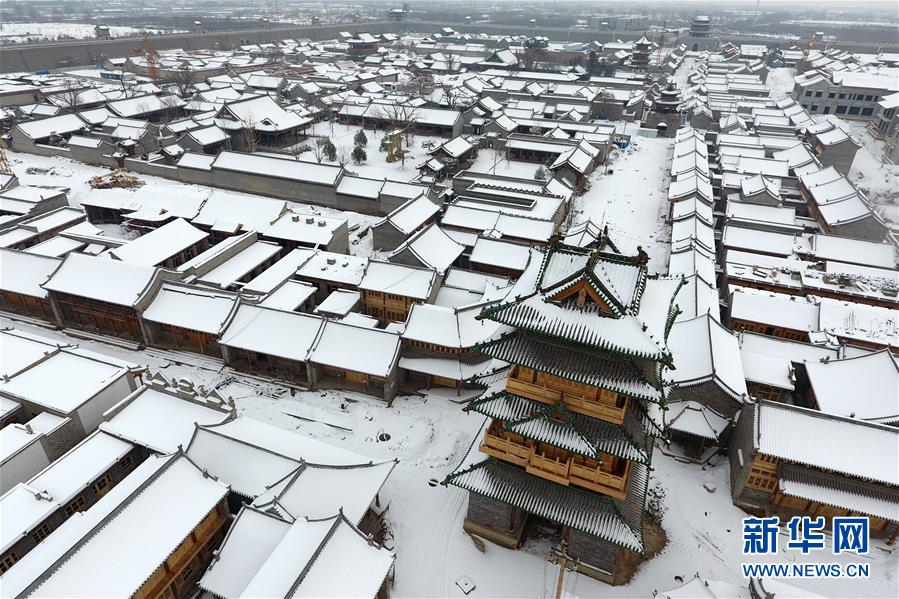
x=84 y=377
x=43 y=128
x=159 y=419
x=504 y=254
x=266 y=556
x=433 y=248
x=864 y=387
x=358 y=349
x=305 y=228
x=695 y=419
x=282 y=168
x=833 y=443
x=151 y=516
x=448 y=327
x=315 y=491
x=25 y=272
x=160 y=244
x=838 y=493
x=340 y=302
x=282 y=270
x=101 y=279
x=190 y=307
x=250 y=541
x=273 y=332
x=239 y=265
x=360 y=187
x=704 y=350
x=769 y=360
x=398 y=279
x=224 y=210
x=28 y=504
x=289 y=296
x=411 y=215
x=246 y=469
x=334 y=267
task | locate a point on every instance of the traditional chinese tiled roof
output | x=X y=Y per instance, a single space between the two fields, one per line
x=560 y=427
x=598 y=370
x=588 y=512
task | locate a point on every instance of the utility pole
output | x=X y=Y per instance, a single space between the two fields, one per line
x=560 y=556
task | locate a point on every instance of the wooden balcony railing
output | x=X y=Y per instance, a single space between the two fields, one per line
x=581 y=403
x=563 y=470
x=505 y=448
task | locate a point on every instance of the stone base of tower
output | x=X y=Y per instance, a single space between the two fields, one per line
x=494 y=520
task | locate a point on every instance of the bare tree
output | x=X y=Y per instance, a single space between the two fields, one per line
x=183 y=79
x=496 y=155
x=171 y=108
x=70 y=94
x=344 y=156
x=250 y=134
x=399 y=117
x=451 y=95
x=318 y=150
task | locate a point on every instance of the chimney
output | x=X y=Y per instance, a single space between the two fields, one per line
x=310 y=220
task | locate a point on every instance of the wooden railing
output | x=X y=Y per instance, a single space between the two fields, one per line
x=504 y=448
x=555 y=469
x=592 y=477
x=582 y=403
x=562 y=470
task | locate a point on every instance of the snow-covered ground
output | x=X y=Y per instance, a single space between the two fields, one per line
x=430 y=435
x=18 y=33
x=780 y=82
x=375 y=165
x=683 y=71
x=632 y=199
x=879 y=180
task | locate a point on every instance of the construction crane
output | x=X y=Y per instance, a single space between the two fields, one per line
x=5 y=169
x=150 y=54
x=806 y=50
x=661 y=43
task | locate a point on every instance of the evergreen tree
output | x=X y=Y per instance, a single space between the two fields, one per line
x=359 y=155
x=359 y=139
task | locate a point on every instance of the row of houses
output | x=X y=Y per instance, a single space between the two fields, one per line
x=750 y=376
x=245 y=490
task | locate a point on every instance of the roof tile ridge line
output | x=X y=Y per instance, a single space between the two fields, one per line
x=59 y=563
x=216 y=553
x=321 y=546
x=292 y=474
x=369 y=464
x=208 y=428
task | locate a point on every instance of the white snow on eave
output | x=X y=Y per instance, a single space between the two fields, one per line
x=248 y=470
x=160 y=421
x=24 y=272
x=368 y=351
x=251 y=539
x=286 y=561
x=273 y=332
x=865 y=387
x=101 y=279
x=330 y=576
x=160 y=244
x=829 y=442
